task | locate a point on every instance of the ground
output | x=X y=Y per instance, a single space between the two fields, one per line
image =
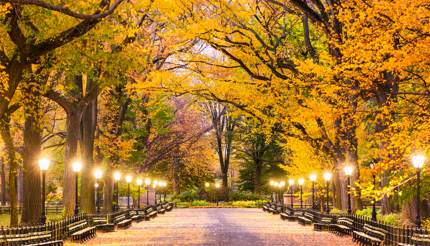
x=218 y=226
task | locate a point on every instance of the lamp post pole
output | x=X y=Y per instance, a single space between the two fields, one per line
x=76 y=166
x=348 y=172
x=313 y=178
x=327 y=177
x=97 y=174
x=139 y=184
x=301 y=182
x=43 y=216
x=43 y=165
x=418 y=162
x=291 y=185
x=418 y=218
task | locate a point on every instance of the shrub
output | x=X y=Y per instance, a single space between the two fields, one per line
x=187 y=196
x=244 y=196
x=199 y=203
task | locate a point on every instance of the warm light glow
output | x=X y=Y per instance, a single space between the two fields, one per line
x=348 y=170
x=44 y=164
x=207 y=184
x=116 y=175
x=147 y=181
x=217 y=185
x=155 y=183
x=418 y=161
x=272 y=183
x=282 y=184
x=139 y=182
x=76 y=166
x=327 y=176
x=96 y=185
x=313 y=177
x=291 y=182
x=128 y=178
x=98 y=173
x=301 y=181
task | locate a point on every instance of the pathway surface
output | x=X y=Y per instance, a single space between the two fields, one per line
x=218 y=226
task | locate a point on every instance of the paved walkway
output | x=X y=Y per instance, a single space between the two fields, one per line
x=223 y=226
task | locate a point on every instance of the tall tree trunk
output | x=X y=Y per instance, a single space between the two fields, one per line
x=3 y=181
x=13 y=169
x=176 y=173
x=258 y=170
x=88 y=126
x=108 y=193
x=31 y=208
x=70 y=155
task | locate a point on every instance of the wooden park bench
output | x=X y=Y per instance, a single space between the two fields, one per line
x=420 y=239
x=30 y=238
x=160 y=209
x=343 y=226
x=370 y=235
x=122 y=221
x=305 y=219
x=266 y=207
x=168 y=206
x=288 y=214
x=136 y=216
x=150 y=212
x=49 y=243
x=101 y=222
x=323 y=224
x=272 y=208
x=81 y=230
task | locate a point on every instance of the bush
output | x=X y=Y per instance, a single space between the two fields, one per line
x=199 y=203
x=244 y=196
x=188 y=196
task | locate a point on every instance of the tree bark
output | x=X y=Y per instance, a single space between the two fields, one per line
x=70 y=155
x=88 y=126
x=13 y=169
x=107 y=193
x=258 y=171
x=31 y=209
x=3 y=181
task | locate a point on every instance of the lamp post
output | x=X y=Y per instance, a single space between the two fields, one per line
x=372 y=166
x=43 y=165
x=147 y=184
x=272 y=185
x=291 y=186
x=313 y=178
x=327 y=178
x=97 y=174
x=301 y=182
x=154 y=185
x=281 y=192
x=76 y=166
x=128 y=179
x=418 y=163
x=117 y=178
x=139 y=183
x=348 y=172
x=217 y=186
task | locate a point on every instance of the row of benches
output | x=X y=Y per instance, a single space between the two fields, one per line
x=81 y=228
x=367 y=235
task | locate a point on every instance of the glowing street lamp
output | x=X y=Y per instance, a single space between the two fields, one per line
x=98 y=173
x=327 y=177
x=418 y=163
x=301 y=182
x=139 y=183
x=147 y=184
x=43 y=166
x=313 y=178
x=154 y=185
x=348 y=172
x=291 y=186
x=76 y=166
x=128 y=179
